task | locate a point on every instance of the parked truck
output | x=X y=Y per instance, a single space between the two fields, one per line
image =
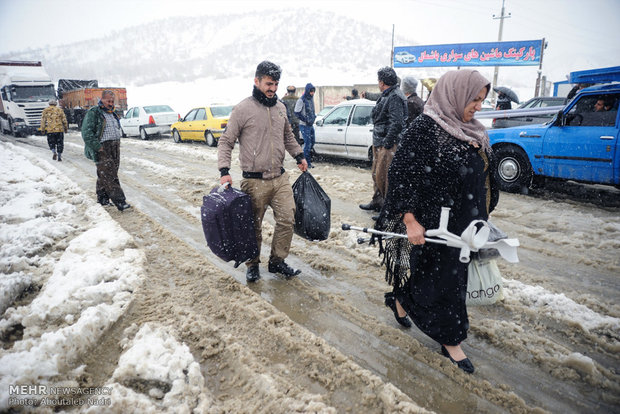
x=78 y=96
x=25 y=90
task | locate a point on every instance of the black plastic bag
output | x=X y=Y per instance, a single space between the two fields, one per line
x=313 y=208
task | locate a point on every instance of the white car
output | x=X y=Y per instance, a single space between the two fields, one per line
x=404 y=57
x=146 y=121
x=346 y=131
x=323 y=112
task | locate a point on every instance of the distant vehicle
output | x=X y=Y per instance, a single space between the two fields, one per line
x=579 y=144
x=404 y=57
x=323 y=112
x=149 y=120
x=346 y=131
x=486 y=106
x=206 y=123
x=539 y=102
x=76 y=97
x=26 y=89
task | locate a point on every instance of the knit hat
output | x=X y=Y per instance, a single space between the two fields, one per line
x=52 y=102
x=409 y=84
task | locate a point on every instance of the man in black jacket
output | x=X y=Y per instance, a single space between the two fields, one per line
x=388 y=117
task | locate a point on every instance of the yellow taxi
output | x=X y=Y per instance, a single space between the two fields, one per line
x=206 y=123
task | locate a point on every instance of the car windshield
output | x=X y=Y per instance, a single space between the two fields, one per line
x=221 y=111
x=153 y=109
x=325 y=110
x=32 y=93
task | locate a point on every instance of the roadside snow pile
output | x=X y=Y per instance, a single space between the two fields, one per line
x=86 y=283
x=156 y=373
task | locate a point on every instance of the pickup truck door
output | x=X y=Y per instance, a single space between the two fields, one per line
x=585 y=147
x=330 y=136
x=359 y=134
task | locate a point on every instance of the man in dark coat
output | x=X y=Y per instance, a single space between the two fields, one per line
x=304 y=110
x=415 y=105
x=388 y=117
x=289 y=100
x=101 y=132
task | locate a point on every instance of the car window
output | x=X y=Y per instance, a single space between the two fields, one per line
x=325 y=110
x=201 y=114
x=586 y=113
x=532 y=104
x=361 y=115
x=338 y=117
x=221 y=111
x=190 y=116
x=129 y=113
x=152 y=109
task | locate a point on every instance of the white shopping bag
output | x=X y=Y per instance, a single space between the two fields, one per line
x=484 y=282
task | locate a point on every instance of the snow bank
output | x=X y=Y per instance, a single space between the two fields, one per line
x=156 y=373
x=86 y=283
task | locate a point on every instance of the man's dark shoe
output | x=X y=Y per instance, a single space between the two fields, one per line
x=252 y=274
x=281 y=267
x=104 y=201
x=54 y=157
x=122 y=206
x=370 y=206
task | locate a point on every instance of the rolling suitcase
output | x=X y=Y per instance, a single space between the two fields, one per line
x=228 y=224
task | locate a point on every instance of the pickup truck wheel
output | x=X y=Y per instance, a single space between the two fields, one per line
x=176 y=137
x=143 y=135
x=210 y=139
x=514 y=172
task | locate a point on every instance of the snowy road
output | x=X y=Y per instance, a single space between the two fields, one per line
x=552 y=345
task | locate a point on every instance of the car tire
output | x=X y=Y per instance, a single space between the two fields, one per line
x=176 y=137
x=143 y=135
x=123 y=134
x=370 y=154
x=514 y=171
x=210 y=139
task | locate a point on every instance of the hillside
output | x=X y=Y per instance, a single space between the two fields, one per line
x=185 y=49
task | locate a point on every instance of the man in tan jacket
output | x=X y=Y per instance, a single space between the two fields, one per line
x=54 y=124
x=261 y=126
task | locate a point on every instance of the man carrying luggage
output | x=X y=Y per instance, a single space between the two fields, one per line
x=260 y=124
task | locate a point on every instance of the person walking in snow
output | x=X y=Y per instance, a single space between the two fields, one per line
x=260 y=125
x=54 y=124
x=415 y=105
x=290 y=100
x=304 y=110
x=388 y=117
x=101 y=132
x=444 y=160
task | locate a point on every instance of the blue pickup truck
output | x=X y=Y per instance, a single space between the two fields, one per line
x=580 y=143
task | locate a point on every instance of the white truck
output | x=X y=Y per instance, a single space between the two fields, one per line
x=25 y=88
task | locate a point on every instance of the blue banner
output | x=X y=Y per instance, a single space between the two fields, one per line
x=520 y=53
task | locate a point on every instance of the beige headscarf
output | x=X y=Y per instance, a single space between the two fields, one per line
x=447 y=103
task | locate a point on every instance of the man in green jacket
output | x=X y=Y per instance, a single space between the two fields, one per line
x=101 y=132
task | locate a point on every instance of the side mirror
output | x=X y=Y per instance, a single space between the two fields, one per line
x=319 y=122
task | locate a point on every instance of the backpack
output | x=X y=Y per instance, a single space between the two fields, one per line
x=228 y=224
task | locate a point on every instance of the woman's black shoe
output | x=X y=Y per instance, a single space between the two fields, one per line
x=464 y=364
x=390 y=302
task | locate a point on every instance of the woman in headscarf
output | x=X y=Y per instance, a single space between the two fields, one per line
x=443 y=160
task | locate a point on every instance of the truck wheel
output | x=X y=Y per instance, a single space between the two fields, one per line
x=176 y=136
x=514 y=171
x=210 y=139
x=143 y=135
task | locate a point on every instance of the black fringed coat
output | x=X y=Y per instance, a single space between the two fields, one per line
x=430 y=170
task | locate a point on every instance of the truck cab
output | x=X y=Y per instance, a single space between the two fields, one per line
x=25 y=90
x=580 y=143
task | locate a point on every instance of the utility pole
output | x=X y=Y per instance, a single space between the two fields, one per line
x=392 y=53
x=499 y=39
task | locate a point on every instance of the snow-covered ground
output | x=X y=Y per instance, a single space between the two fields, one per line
x=133 y=306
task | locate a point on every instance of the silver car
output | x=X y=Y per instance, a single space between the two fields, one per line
x=539 y=102
x=346 y=131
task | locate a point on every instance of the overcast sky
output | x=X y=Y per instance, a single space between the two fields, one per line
x=582 y=34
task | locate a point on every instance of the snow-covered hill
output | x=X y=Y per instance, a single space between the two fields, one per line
x=304 y=42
